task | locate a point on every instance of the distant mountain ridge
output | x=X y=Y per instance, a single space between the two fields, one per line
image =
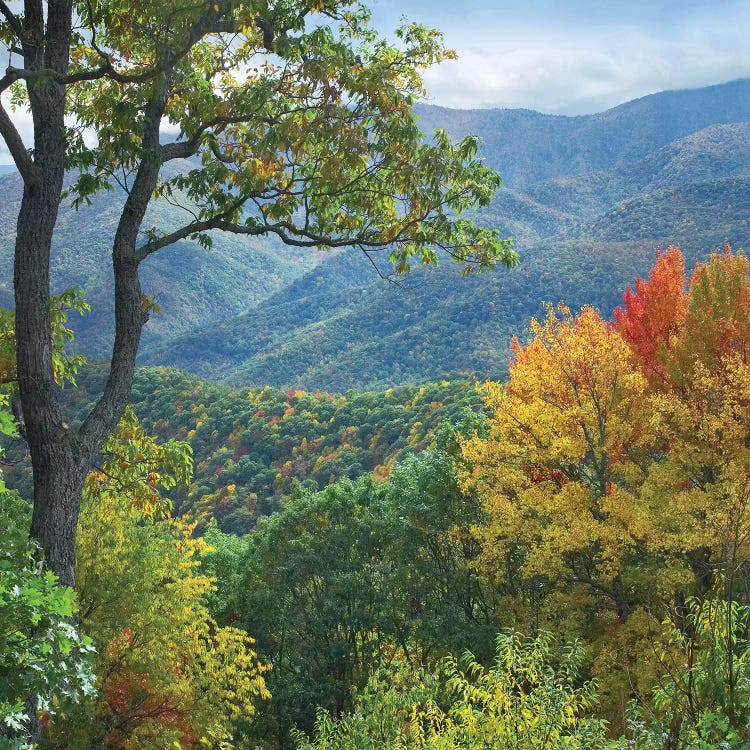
x=528 y=147
x=588 y=200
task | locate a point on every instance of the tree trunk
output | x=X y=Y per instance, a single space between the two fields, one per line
x=623 y=607
x=57 y=504
x=57 y=478
x=55 y=475
x=61 y=458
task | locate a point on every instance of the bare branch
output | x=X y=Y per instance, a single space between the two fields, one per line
x=391 y=278
x=25 y=164
x=13 y=21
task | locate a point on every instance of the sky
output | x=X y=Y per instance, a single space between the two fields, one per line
x=568 y=57
x=576 y=56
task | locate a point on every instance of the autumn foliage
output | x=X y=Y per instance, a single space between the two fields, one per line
x=168 y=675
x=616 y=468
x=655 y=312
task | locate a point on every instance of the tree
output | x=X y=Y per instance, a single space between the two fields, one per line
x=654 y=313
x=316 y=592
x=295 y=129
x=167 y=674
x=446 y=607
x=560 y=469
x=717 y=322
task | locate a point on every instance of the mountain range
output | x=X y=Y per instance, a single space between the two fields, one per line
x=588 y=200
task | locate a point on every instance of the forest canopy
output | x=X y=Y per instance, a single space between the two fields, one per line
x=556 y=561
x=572 y=552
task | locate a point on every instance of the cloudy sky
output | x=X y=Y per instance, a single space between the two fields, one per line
x=569 y=56
x=577 y=56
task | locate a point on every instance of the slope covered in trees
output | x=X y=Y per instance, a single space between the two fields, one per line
x=433 y=324
x=252 y=446
x=671 y=167
x=593 y=510
x=208 y=288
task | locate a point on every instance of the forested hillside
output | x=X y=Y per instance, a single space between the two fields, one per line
x=193 y=287
x=252 y=446
x=433 y=324
x=671 y=168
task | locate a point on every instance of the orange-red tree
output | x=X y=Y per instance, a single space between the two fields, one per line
x=654 y=314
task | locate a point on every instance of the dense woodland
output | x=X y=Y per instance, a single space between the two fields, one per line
x=251 y=447
x=557 y=560
x=460 y=510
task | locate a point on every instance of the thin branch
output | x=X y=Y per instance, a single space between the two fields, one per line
x=391 y=278
x=176 y=204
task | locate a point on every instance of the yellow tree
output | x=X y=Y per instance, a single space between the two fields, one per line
x=167 y=675
x=617 y=460
x=566 y=452
x=698 y=495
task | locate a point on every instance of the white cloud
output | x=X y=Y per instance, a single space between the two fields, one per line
x=576 y=70
x=567 y=56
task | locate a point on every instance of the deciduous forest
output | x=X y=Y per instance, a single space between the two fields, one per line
x=556 y=560
x=533 y=534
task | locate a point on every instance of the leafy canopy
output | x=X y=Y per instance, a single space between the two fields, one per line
x=296 y=119
x=167 y=674
x=615 y=471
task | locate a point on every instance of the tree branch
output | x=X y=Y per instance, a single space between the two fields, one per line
x=287 y=232
x=108 y=70
x=130 y=314
x=185 y=149
x=12 y=19
x=25 y=164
